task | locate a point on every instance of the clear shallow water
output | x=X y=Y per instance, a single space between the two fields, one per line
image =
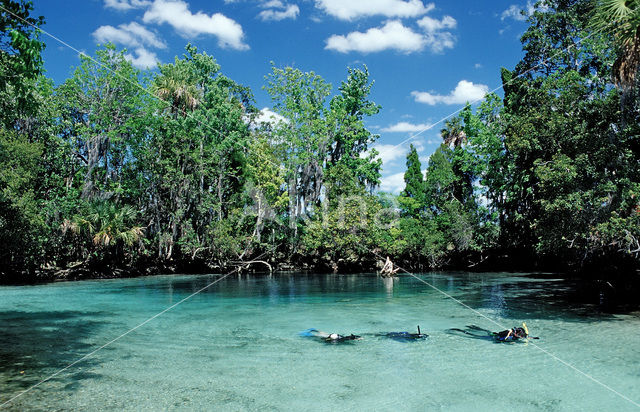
x=236 y=347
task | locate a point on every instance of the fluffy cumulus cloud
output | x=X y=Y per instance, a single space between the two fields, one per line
x=266 y=115
x=437 y=38
x=464 y=92
x=126 y=4
x=353 y=9
x=432 y=33
x=406 y=127
x=132 y=34
x=392 y=183
x=431 y=25
x=277 y=10
x=176 y=13
x=391 y=154
x=143 y=58
x=136 y=36
x=393 y=35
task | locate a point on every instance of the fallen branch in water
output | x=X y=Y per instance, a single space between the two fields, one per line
x=245 y=265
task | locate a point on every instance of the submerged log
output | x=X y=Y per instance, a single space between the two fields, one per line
x=245 y=265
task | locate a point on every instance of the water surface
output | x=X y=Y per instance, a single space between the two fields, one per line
x=235 y=346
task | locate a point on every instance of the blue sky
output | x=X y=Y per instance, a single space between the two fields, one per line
x=426 y=58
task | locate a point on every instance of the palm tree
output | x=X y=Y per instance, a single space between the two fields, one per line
x=453 y=132
x=621 y=19
x=177 y=86
x=106 y=224
x=115 y=225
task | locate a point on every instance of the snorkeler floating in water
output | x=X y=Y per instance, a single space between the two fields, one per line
x=512 y=334
x=328 y=337
x=335 y=337
x=509 y=335
x=405 y=336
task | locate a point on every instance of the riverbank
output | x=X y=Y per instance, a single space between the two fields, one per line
x=609 y=289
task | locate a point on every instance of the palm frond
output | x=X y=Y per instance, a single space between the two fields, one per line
x=618 y=10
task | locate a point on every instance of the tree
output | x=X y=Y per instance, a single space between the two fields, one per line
x=266 y=184
x=195 y=158
x=453 y=132
x=177 y=86
x=22 y=226
x=300 y=98
x=455 y=137
x=21 y=223
x=570 y=154
x=20 y=60
x=108 y=228
x=100 y=107
x=413 y=197
x=621 y=20
x=349 y=138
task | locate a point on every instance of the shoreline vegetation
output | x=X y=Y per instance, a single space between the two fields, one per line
x=117 y=172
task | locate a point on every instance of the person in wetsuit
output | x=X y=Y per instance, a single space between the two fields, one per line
x=334 y=337
x=406 y=336
x=514 y=333
x=328 y=337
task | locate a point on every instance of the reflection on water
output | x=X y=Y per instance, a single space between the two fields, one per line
x=497 y=301
x=235 y=346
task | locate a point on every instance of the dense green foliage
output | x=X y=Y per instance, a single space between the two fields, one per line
x=115 y=170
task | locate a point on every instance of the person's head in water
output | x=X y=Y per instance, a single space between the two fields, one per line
x=519 y=333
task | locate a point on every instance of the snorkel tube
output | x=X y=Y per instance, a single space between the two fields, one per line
x=526 y=330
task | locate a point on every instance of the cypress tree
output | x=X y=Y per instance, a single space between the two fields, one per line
x=414 y=183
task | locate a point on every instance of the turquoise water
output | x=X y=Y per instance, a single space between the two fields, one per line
x=236 y=347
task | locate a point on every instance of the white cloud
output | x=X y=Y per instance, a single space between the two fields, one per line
x=406 y=127
x=177 y=14
x=396 y=36
x=392 y=183
x=390 y=153
x=126 y=4
x=439 y=41
x=436 y=38
x=144 y=59
x=516 y=12
x=268 y=116
x=353 y=9
x=477 y=66
x=393 y=35
x=464 y=92
x=132 y=34
x=431 y=25
x=277 y=10
x=513 y=12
